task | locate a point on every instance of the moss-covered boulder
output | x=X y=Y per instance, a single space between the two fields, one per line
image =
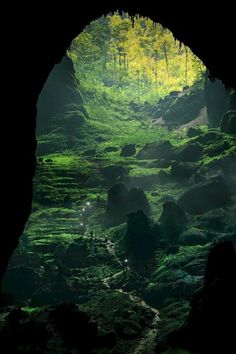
x=128 y=150
x=111 y=149
x=228 y=122
x=137 y=200
x=182 y=171
x=60 y=91
x=212 y=194
x=112 y=172
x=155 y=150
x=193 y=236
x=117 y=204
x=139 y=239
x=172 y=221
x=208 y=328
x=191 y=152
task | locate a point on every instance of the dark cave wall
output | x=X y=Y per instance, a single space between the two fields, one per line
x=37 y=37
x=216 y=98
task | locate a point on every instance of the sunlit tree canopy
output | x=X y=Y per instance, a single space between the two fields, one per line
x=138 y=57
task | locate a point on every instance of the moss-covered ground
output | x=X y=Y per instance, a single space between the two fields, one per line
x=70 y=196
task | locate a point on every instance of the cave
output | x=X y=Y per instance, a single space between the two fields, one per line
x=210 y=41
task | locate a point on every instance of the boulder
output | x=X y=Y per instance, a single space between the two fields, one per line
x=183 y=108
x=137 y=200
x=155 y=150
x=193 y=236
x=212 y=194
x=72 y=121
x=228 y=122
x=161 y=163
x=111 y=173
x=191 y=152
x=75 y=326
x=208 y=328
x=215 y=220
x=192 y=132
x=128 y=150
x=90 y=153
x=127 y=329
x=172 y=221
x=117 y=204
x=139 y=239
x=59 y=93
x=209 y=136
x=181 y=171
x=111 y=149
x=76 y=255
x=217 y=148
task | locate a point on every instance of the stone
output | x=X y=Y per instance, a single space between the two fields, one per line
x=215 y=220
x=59 y=94
x=209 y=136
x=73 y=121
x=75 y=326
x=208 y=327
x=192 y=132
x=212 y=194
x=137 y=200
x=183 y=107
x=156 y=150
x=111 y=173
x=162 y=163
x=128 y=150
x=76 y=255
x=166 y=198
x=217 y=148
x=139 y=239
x=127 y=329
x=191 y=152
x=228 y=122
x=117 y=204
x=181 y=171
x=172 y=221
x=111 y=149
x=90 y=153
x=193 y=236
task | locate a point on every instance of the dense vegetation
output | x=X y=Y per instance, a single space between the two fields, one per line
x=133 y=58
x=129 y=196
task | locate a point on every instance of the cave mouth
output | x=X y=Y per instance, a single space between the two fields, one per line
x=122 y=130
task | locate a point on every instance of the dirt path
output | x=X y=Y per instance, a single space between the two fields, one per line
x=146 y=344
x=111 y=249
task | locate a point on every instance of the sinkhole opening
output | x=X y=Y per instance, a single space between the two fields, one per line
x=130 y=190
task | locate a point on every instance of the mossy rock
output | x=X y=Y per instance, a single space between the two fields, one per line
x=213 y=194
x=191 y=152
x=155 y=150
x=193 y=236
x=128 y=150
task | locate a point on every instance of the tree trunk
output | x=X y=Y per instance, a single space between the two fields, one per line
x=166 y=58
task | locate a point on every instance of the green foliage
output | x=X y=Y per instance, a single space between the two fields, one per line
x=136 y=59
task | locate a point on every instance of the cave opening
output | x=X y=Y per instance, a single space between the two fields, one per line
x=126 y=136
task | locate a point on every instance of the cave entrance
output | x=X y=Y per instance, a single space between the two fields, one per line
x=109 y=118
x=123 y=113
